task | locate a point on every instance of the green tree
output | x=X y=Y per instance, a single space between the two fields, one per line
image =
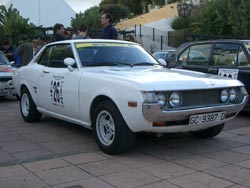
x=12 y=24
x=219 y=17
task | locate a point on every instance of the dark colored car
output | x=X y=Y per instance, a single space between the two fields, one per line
x=230 y=58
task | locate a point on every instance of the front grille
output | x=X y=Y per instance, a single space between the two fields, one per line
x=201 y=98
x=5 y=79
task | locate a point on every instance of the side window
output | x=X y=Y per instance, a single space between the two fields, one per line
x=58 y=54
x=196 y=55
x=44 y=58
x=242 y=59
x=225 y=54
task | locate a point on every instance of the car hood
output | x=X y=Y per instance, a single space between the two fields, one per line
x=159 y=78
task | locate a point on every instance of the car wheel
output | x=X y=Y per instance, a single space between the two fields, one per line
x=210 y=132
x=111 y=132
x=28 y=107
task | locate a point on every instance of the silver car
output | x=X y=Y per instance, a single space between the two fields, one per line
x=6 y=72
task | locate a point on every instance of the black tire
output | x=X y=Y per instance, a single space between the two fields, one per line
x=28 y=108
x=111 y=132
x=210 y=132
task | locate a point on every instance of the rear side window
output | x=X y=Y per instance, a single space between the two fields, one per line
x=196 y=55
x=225 y=55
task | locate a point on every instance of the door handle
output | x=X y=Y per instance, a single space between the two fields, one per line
x=212 y=70
x=46 y=72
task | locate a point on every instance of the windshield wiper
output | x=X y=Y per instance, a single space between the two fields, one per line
x=143 y=64
x=108 y=64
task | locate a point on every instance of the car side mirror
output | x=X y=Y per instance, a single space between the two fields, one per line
x=162 y=62
x=69 y=62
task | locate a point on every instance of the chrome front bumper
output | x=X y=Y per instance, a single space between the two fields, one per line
x=153 y=113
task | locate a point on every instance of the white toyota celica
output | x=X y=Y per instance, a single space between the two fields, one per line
x=118 y=89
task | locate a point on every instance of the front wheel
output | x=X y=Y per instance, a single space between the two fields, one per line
x=210 y=132
x=111 y=131
x=28 y=107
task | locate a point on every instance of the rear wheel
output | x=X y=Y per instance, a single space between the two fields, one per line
x=111 y=131
x=28 y=107
x=210 y=132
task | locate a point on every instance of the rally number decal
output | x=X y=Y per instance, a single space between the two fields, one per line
x=56 y=91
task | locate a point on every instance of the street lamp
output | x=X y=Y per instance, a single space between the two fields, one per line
x=184 y=10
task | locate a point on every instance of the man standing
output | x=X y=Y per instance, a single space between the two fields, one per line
x=81 y=32
x=58 y=33
x=109 y=31
x=25 y=50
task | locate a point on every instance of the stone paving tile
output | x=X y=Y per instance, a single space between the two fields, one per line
x=86 y=183
x=64 y=147
x=46 y=165
x=198 y=162
x=85 y=158
x=160 y=184
x=231 y=173
x=6 y=158
x=20 y=146
x=62 y=175
x=10 y=171
x=166 y=153
x=41 y=137
x=241 y=131
x=199 y=179
x=245 y=164
x=226 y=134
x=241 y=139
x=22 y=181
x=137 y=159
x=10 y=137
x=222 y=143
x=243 y=149
x=33 y=155
x=167 y=170
x=104 y=167
x=129 y=179
x=228 y=156
x=237 y=186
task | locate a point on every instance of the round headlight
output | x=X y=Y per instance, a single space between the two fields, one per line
x=175 y=99
x=233 y=95
x=161 y=99
x=224 y=95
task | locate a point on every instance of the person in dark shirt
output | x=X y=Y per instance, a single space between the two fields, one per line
x=81 y=32
x=7 y=49
x=25 y=50
x=58 y=33
x=109 y=31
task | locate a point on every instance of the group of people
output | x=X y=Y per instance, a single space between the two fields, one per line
x=109 y=32
x=26 y=50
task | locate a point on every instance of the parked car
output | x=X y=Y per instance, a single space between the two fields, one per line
x=230 y=58
x=118 y=89
x=6 y=72
x=165 y=55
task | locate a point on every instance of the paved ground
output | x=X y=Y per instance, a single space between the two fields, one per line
x=55 y=154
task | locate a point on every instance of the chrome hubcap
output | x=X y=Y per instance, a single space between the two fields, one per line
x=105 y=128
x=25 y=105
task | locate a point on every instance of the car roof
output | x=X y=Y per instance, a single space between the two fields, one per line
x=184 y=45
x=91 y=41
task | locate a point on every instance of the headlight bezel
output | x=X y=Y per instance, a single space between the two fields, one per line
x=224 y=95
x=233 y=94
x=173 y=95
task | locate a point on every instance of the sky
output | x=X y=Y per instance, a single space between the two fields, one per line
x=75 y=4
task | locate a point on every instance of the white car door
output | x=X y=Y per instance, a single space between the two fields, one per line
x=57 y=85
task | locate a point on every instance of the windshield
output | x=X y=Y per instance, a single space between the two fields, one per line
x=3 y=59
x=114 y=54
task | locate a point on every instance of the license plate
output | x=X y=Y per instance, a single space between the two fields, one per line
x=207 y=118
